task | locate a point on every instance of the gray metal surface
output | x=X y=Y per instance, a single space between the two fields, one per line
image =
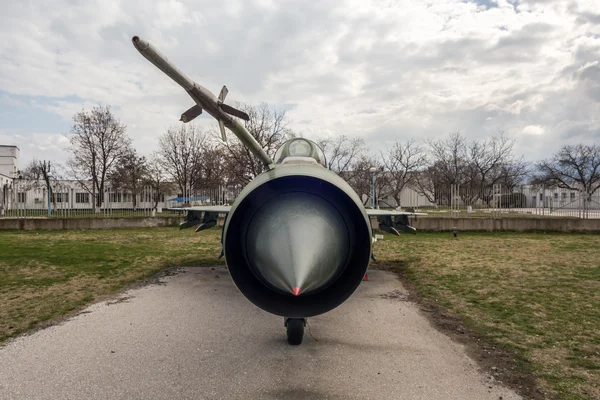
x=377 y=212
x=202 y=96
x=348 y=224
x=197 y=338
x=161 y=62
x=315 y=171
x=297 y=240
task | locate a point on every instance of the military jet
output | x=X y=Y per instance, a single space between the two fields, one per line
x=297 y=240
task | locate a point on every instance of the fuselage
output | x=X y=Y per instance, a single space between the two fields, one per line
x=297 y=240
x=208 y=102
x=297 y=229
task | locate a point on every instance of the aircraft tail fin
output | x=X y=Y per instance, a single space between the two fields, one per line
x=190 y=114
x=222 y=128
x=223 y=94
x=234 y=111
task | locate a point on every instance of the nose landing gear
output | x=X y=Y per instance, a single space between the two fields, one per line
x=295 y=330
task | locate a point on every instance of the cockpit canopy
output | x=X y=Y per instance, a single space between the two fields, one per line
x=298 y=150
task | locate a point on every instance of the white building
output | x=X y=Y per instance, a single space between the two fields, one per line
x=20 y=194
x=9 y=169
x=73 y=195
x=9 y=161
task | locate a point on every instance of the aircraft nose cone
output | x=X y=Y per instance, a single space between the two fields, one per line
x=297 y=242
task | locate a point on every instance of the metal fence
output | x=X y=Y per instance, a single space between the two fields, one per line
x=498 y=201
x=70 y=200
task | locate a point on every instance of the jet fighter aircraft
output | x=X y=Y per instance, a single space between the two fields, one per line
x=297 y=240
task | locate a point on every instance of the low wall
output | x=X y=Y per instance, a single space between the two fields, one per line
x=422 y=224
x=31 y=224
x=508 y=224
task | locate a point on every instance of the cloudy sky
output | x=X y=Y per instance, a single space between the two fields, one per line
x=382 y=70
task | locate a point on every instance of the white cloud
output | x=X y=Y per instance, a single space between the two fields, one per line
x=533 y=130
x=420 y=69
x=42 y=146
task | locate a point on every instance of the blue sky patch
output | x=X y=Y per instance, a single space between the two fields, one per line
x=26 y=115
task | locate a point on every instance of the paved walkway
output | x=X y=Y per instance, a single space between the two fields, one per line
x=197 y=337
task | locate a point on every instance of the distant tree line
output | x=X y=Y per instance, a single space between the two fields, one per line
x=190 y=159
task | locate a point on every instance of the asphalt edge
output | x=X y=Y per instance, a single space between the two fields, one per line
x=500 y=366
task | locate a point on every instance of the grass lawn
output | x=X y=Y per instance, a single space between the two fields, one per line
x=536 y=294
x=46 y=274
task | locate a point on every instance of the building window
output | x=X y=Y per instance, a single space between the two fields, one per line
x=82 y=198
x=22 y=197
x=572 y=196
x=541 y=196
x=114 y=197
x=556 y=196
x=564 y=196
x=60 y=197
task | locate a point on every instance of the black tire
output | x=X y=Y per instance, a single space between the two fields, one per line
x=295 y=331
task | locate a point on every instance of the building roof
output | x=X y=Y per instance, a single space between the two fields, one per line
x=9 y=145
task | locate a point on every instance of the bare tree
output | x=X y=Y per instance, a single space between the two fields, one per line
x=156 y=178
x=471 y=167
x=488 y=163
x=572 y=167
x=212 y=172
x=342 y=153
x=428 y=183
x=448 y=159
x=348 y=158
x=98 y=140
x=402 y=163
x=129 y=173
x=38 y=173
x=513 y=174
x=269 y=128
x=180 y=150
x=359 y=178
x=450 y=156
x=487 y=156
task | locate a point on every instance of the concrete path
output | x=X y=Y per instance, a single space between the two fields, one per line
x=197 y=337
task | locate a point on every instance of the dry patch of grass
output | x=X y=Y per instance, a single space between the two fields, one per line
x=44 y=275
x=536 y=294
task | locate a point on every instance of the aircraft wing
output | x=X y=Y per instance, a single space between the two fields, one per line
x=378 y=213
x=212 y=209
x=393 y=221
x=203 y=216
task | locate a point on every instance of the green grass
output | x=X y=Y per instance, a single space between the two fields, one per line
x=535 y=294
x=46 y=274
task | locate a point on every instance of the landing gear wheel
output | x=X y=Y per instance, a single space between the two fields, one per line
x=295 y=330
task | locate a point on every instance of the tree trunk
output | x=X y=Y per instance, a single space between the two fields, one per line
x=100 y=198
x=134 y=195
